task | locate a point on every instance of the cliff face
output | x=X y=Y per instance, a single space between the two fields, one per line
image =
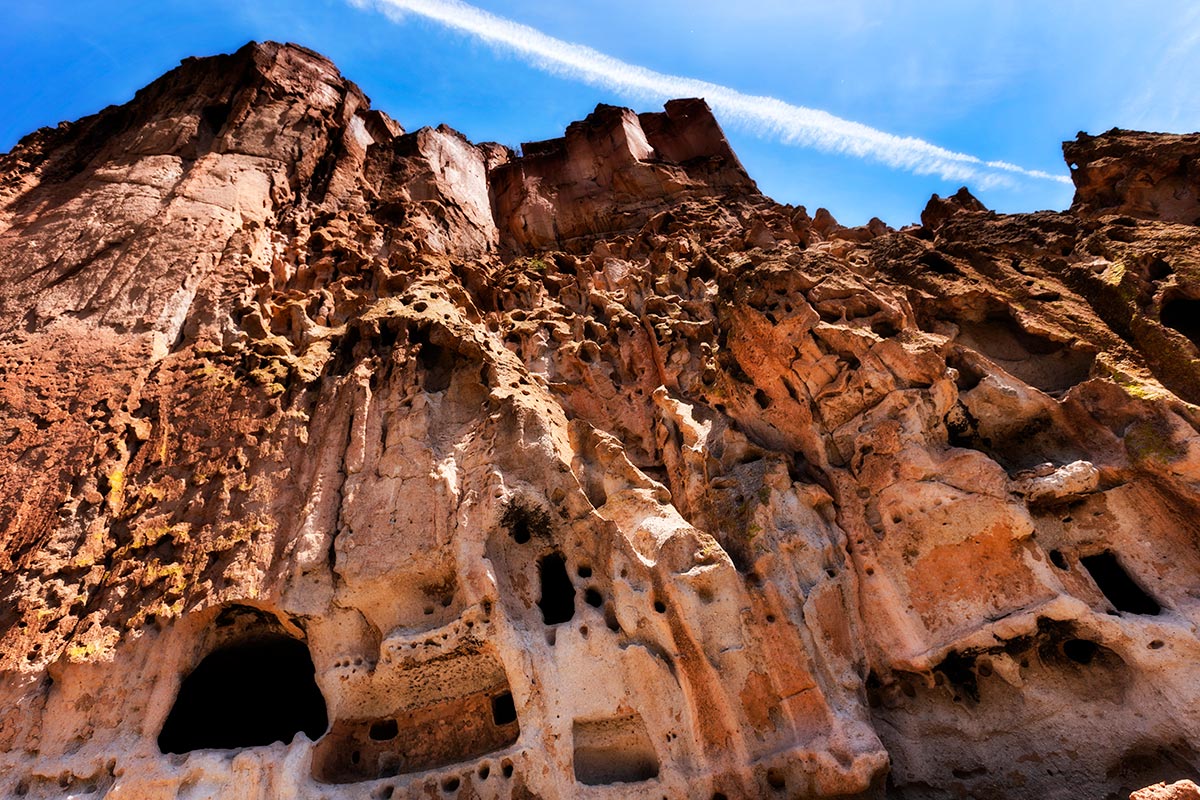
x=340 y=461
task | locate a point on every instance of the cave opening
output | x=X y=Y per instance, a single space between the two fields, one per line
x=251 y=693
x=613 y=750
x=558 y=593
x=1081 y=651
x=504 y=710
x=1182 y=314
x=938 y=263
x=437 y=363
x=1118 y=586
x=525 y=520
x=1159 y=270
x=384 y=730
x=452 y=708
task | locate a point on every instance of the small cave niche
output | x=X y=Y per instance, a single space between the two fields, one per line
x=346 y=354
x=455 y=708
x=504 y=710
x=1081 y=651
x=524 y=520
x=1059 y=560
x=938 y=263
x=211 y=121
x=776 y=779
x=1053 y=367
x=969 y=371
x=384 y=730
x=250 y=693
x=958 y=670
x=704 y=268
x=1120 y=233
x=613 y=750
x=1158 y=270
x=214 y=117
x=1183 y=315
x=557 y=600
x=437 y=363
x=884 y=328
x=1064 y=645
x=1118 y=586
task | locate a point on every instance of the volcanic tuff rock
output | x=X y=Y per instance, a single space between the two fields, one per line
x=1127 y=172
x=1180 y=790
x=340 y=461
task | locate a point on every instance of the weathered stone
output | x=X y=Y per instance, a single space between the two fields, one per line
x=585 y=471
x=1128 y=172
x=610 y=174
x=1180 y=790
x=939 y=209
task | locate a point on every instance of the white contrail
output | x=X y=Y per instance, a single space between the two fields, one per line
x=765 y=116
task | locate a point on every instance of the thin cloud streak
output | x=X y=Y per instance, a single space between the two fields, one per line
x=767 y=117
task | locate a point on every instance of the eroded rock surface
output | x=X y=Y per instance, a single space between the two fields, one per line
x=1128 y=172
x=340 y=461
x=1180 y=790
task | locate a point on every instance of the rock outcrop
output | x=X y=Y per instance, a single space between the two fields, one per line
x=1135 y=174
x=340 y=461
x=610 y=174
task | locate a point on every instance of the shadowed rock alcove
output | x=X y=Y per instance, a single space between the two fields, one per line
x=557 y=601
x=452 y=708
x=254 y=692
x=613 y=750
x=1118 y=586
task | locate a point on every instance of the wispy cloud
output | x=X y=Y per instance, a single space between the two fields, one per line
x=768 y=117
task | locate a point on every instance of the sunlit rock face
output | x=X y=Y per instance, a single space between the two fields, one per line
x=344 y=462
x=1145 y=176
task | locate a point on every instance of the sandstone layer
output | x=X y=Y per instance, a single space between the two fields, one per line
x=345 y=462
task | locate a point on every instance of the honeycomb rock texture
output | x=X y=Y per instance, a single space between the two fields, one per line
x=343 y=462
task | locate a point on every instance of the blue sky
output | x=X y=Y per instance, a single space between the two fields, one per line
x=1000 y=82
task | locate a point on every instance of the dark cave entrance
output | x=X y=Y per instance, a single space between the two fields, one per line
x=1182 y=314
x=247 y=694
x=1118 y=586
x=558 y=593
x=504 y=710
